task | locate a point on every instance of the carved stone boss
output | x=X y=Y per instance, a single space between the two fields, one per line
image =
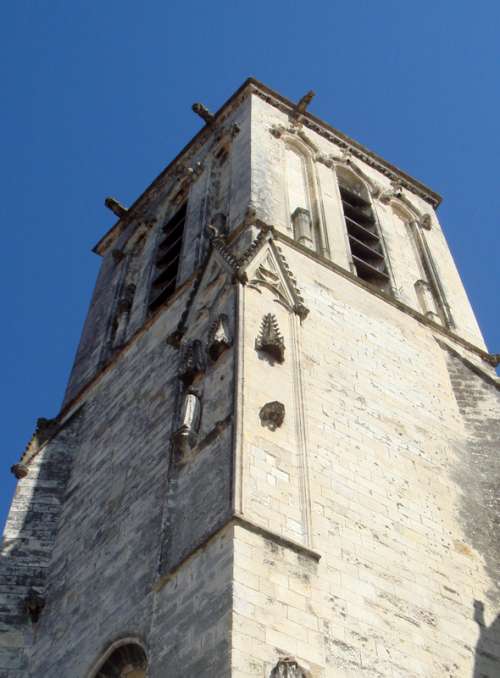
x=272 y=415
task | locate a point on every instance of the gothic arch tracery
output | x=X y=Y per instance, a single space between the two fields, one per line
x=304 y=205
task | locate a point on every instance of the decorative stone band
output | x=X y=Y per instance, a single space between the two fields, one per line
x=240 y=521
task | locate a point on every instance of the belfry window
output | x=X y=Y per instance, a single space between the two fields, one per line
x=167 y=259
x=365 y=243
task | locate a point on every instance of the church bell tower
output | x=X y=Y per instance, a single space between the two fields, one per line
x=277 y=455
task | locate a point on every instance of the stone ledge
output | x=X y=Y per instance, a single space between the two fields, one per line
x=237 y=521
x=302 y=550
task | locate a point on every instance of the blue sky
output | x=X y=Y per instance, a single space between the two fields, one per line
x=96 y=100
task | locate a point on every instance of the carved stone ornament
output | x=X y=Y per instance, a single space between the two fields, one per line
x=185 y=436
x=20 y=470
x=426 y=221
x=203 y=112
x=327 y=160
x=272 y=415
x=302 y=104
x=288 y=668
x=270 y=340
x=218 y=228
x=34 y=604
x=187 y=172
x=277 y=130
x=277 y=277
x=385 y=196
x=192 y=362
x=219 y=338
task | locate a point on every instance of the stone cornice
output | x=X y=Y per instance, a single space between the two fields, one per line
x=347 y=144
x=140 y=207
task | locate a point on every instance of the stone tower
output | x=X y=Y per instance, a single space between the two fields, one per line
x=277 y=456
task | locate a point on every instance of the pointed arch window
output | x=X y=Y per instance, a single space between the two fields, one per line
x=301 y=196
x=365 y=243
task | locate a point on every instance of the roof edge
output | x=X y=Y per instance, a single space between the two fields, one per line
x=310 y=120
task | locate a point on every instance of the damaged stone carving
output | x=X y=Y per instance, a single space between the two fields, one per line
x=192 y=362
x=270 y=340
x=123 y=313
x=288 y=668
x=218 y=228
x=203 y=112
x=20 y=470
x=301 y=106
x=185 y=437
x=219 y=338
x=34 y=604
x=272 y=415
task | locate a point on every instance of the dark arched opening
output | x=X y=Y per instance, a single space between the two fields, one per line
x=127 y=660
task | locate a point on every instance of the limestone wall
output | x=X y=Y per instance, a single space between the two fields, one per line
x=272 y=132
x=389 y=464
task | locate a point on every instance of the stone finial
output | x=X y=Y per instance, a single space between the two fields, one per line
x=288 y=668
x=116 y=207
x=272 y=415
x=192 y=362
x=185 y=436
x=219 y=338
x=270 y=340
x=203 y=112
x=20 y=470
x=34 y=604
